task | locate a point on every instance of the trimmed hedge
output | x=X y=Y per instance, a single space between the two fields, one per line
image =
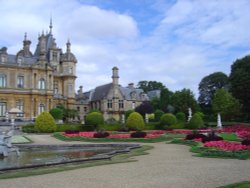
x=195 y=122
x=135 y=121
x=45 y=123
x=181 y=117
x=168 y=119
x=94 y=118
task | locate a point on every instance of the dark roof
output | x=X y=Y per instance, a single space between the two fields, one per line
x=101 y=92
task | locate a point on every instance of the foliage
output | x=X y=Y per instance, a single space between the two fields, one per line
x=200 y=114
x=195 y=122
x=94 y=110
x=240 y=83
x=109 y=127
x=101 y=134
x=246 y=142
x=244 y=184
x=29 y=129
x=211 y=137
x=184 y=99
x=229 y=136
x=94 y=118
x=45 y=123
x=127 y=113
x=144 y=108
x=88 y=128
x=56 y=113
x=158 y=114
x=209 y=85
x=68 y=114
x=165 y=100
x=149 y=126
x=225 y=104
x=135 y=121
x=138 y=134
x=180 y=125
x=68 y=127
x=150 y=85
x=168 y=119
x=181 y=117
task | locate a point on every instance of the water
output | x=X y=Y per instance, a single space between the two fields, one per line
x=42 y=155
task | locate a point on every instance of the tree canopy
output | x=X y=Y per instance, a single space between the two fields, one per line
x=150 y=85
x=209 y=85
x=240 y=83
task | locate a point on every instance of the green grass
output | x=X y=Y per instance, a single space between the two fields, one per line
x=229 y=137
x=244 y=184
x=121 y=158
x=17 y=139
x=83 y=139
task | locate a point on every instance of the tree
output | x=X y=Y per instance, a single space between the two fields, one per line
x=240 y=83
x=135 y=121
x=127 y=113
x=195 y=122
x=225 y=104
x=158 y=114
x=209 y=85
x=56 y=113
x=184 y=99
x=45 y=123
x=165 y=99
x=150 y=85
x=144 y=108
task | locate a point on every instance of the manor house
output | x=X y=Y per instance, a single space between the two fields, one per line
x=37 y=82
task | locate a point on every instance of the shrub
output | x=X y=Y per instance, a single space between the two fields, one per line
x=158 y=114
x=195 y=136
x=168 y=119
x=149 y=126
x=88 y=128
x=94 y=118
x=180 y=125
x=101 y=134
x=138 y=134
x=109 y=127
x=111 y=121
x=181 y=117
x=246 y=142
x=56 y=113
x=45 y=123
x=201 y=114
x=135 y=121
x=127 y=113
x=195 y=122
x=29 y=129
x=71 y=131
x=64 y=127
x=211 y=137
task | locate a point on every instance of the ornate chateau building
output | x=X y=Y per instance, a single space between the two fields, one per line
x=36 y=82
x=111 y=99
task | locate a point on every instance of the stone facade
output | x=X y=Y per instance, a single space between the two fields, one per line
x=37 y=82
x=111 y=99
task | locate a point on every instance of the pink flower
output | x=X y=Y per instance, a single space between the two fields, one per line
x=226 y=146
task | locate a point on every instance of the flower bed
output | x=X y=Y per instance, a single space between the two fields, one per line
x=226 y=146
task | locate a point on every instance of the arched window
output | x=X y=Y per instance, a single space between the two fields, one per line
x=41 y=108
x=3 y=80
x=41 y=84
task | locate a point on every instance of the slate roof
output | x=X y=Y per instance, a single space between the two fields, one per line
x=101 y=92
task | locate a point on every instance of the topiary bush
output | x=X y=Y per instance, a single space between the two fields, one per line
x=135 y=121
x=95 y=119
x=158 y=114
x=181 y=117
x=127 y=113
x=138 y=134
x=195 y=122
x=168 y=119
x=45 y=123
x=56 y=113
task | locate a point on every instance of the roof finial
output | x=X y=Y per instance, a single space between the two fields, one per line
x=50 y=26
x=25 y=36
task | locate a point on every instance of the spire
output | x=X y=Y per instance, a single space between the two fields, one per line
x=68 y=46
x=25 y=36
x=50 y=26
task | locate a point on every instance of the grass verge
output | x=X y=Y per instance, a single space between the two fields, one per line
x=244 y=184
x=83 y=139
x=230 y=137
x=120 y=158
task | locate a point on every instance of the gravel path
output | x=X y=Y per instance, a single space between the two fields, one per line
x=167 y=166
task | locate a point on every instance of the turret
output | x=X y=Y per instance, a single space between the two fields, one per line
x=26 y=46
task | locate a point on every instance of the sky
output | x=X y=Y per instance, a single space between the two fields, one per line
x=176 y=42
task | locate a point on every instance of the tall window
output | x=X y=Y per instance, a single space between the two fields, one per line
x=109 y=105
x=41 y=84
x=133 y=105
x=121 y=104
x=41 y=108
x=2 y=109
x=54 y=56
x=19 y=105
x=70 y=89
x=20 y=81
x=3 y=80
x=55 y=87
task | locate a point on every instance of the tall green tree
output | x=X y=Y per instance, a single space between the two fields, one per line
x=165 y=99
x=144 y=108
x=184 y=99
x=209 y=85
x=150 y=85
x=225 y=104
x=240 y=83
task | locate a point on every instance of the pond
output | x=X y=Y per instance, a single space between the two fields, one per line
x=45 y=155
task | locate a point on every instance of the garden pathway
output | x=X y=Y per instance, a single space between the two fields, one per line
x=167 y=166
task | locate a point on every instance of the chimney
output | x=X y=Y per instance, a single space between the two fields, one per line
x=115 y=76
x=26 y=45
x=131 y=85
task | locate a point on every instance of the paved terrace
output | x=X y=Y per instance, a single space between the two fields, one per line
x=167 y=166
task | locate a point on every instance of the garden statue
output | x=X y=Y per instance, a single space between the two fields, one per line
x=6 y=145
x=219 y=124
x=123 y=119
x=189 y=114
x=146 y=118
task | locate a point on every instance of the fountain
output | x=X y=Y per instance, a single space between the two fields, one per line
x=6 y=145
x=189 y=114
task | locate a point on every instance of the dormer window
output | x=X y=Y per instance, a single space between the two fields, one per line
x=19 y=60
x=3 y=59
x=133 y=95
